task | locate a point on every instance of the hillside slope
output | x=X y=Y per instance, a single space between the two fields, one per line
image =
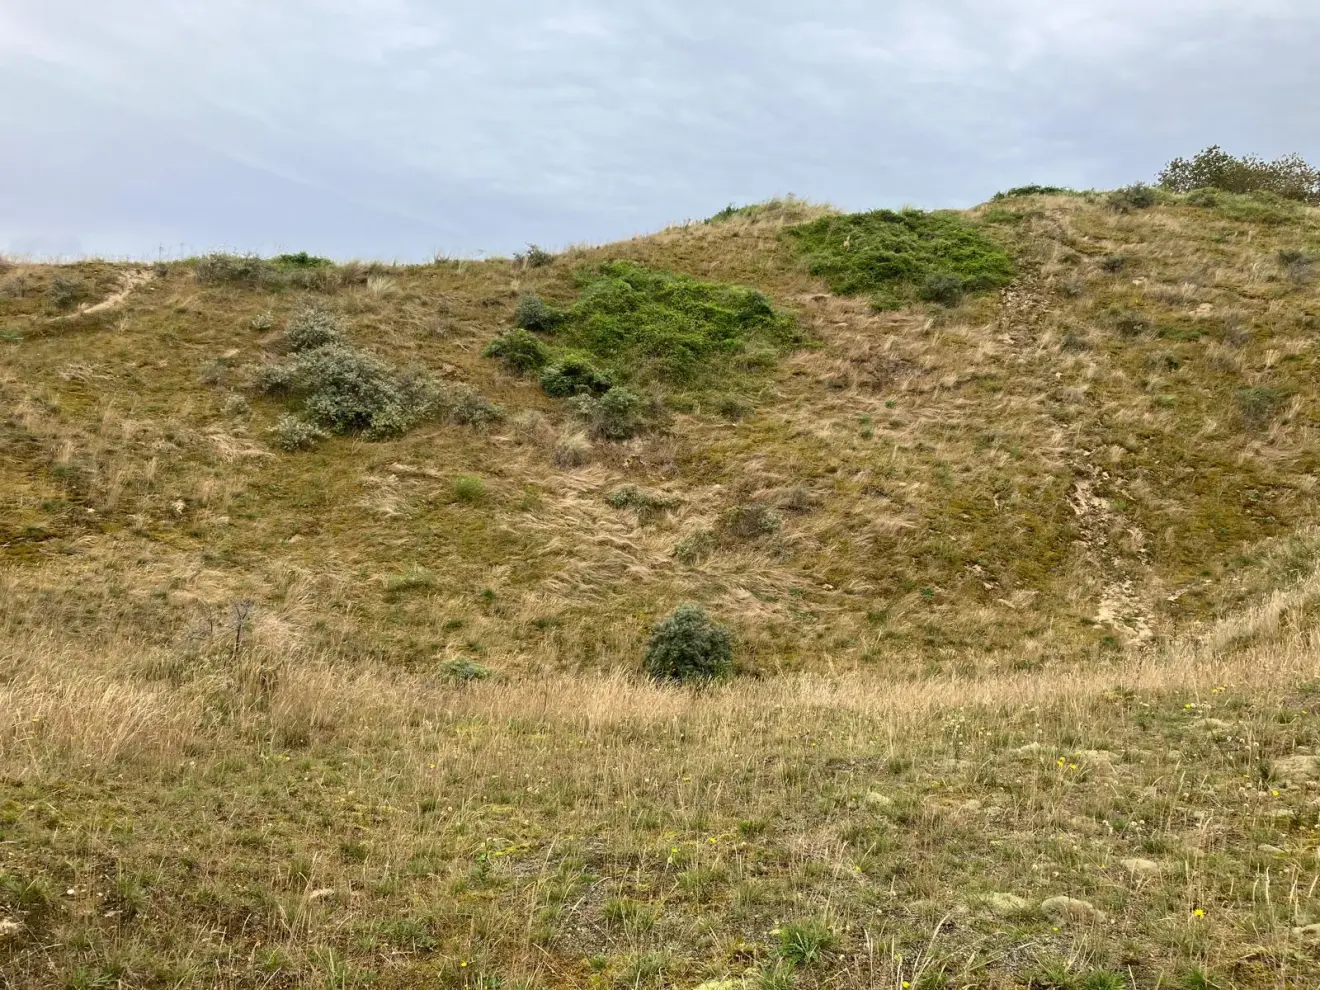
x=1023 y=580
x=1083 y=461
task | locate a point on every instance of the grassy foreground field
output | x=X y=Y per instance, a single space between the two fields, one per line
x=1022 y=573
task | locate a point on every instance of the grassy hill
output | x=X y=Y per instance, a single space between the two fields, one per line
x=1012 y=513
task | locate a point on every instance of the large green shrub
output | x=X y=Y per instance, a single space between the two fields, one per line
x=687 y=647
x=892 y=255
x=669 y=327
x=575 y=374
x=1289 y=176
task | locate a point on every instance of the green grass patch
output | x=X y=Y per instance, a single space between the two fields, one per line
x=896 y=256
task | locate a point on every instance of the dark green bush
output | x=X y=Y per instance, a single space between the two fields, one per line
x=805 y=942
x=617 y=415
x=575 y=374
x=464 y=671
x=1034 y=190
x=892 y=254
x=535 y=315
x=301 y=260
x=519 y=350
x=1289 y=176
x=942 y=288
x=665 y=326
x=534 y=257
x=687 y=647
x=1138 y=196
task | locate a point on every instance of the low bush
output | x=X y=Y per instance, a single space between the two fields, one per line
x=1289 y=176
x=1259 y=404
x=688 y=647
x=1034 y=190
x=749 y=521
x=534 y=257
x=891 y=255
x=942 y=288
x=619 y=414
x=235 y=269
x=520 y=351
x=1138 y=196
x=66 y=291
x=640 y=500
x=572 y=450
x=311 y=327
x=301 y=260
x=535 y=315
x=464 y=671
x=292 y=433
x=575 y=374
x=670 y=328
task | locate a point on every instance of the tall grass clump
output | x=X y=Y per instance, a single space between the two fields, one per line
x=899 y=256
x=1289 y=176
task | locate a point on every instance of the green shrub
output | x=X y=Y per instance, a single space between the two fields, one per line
x=1114 y=263
x=534 y=257
x=749 y=521
x=695 y=547
x=805 y=942
x=1297 y=265
x=670 y=327
x=66 y=291
x=301 y=260
x=292 y=433
x=575 y=374
x=1034 y=190
x=469 y=488
x=311 y=327
x=346 y=391
x=465 y=406
x=235 y=269
x=1138 y=196
x=1289 y=176
x=535 y=315
x=1203 y=197
x=617 y=415
x=687 y=647
x=465 y=671
x=640 y=500
x=519 y=350
x=942 y=288
x=892 y=254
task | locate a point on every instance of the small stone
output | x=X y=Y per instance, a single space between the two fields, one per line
x=1001 y=903
x=9 y=927
x=1265 y=847
x=1141 y=867
x=877 y=800
x=321 y=894
x=1281 y=814
x=1071 y=909
x=1213 y=724
x=725 y=983
x=1030 y=749
x=1308 y=931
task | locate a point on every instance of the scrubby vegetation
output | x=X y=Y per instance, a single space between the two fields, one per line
x=1214 y=168
x=898 y=256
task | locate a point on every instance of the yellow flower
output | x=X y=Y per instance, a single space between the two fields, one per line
x=1198 y=913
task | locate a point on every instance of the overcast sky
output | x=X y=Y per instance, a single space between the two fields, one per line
x=397 y=129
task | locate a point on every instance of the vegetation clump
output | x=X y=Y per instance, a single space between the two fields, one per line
x=1137 y=196
x=246 y=270
x=1033 y=190
x=1289 y=176
x=895 y=255
x=688 y=647
x=345 y=390
x=293 y=433
x=67 y=291
x=575 y=374
x=536 y=315
x=520 y=351
x=619 y=414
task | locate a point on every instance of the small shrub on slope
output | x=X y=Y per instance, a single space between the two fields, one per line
x=235 y=269
x=535 y=315
x=312 y=327
x=575 y=374
x=1135 y=197
x=687 y=647
x=892 y=255
x=617 y=415
x=292 y=433
x=519 y=350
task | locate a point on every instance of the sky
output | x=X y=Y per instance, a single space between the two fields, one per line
x=403 y=129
